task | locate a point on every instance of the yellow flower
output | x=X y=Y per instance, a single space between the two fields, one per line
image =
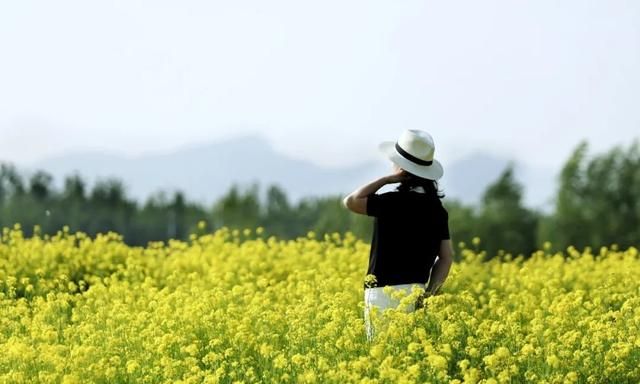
x=553 y=360
x=437 y=361
x=265 y=350
x=571 y=377
x=221 y=308
x=71 y=379
x=376 y=351
x=280 y=362
x=308 y=376
x=414 y=347
x=132 y=366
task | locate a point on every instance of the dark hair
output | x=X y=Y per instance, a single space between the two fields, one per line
x=430 y=186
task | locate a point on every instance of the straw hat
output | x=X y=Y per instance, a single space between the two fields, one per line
x=413 y=152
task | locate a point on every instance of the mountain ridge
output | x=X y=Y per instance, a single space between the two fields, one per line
x=205 y=171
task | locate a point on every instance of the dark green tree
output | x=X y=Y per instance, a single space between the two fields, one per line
x=463 y=223
x=237 y=209
x=597 y=202
x=177 y=215
x=114 y=212
x=331 y=216
x=74 y=188
x=504 y=223
x=279 y=215
x=40 y=185
x=11 y=181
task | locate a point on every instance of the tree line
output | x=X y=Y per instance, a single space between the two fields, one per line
x=596 y=204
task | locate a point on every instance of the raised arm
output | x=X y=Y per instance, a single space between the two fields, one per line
x=356 y=201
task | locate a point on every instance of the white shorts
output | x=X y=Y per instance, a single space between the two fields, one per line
x=376 y=297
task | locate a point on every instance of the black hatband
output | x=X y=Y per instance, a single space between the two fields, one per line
x=412 y=158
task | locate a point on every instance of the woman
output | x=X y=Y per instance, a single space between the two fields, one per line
x=411 y=242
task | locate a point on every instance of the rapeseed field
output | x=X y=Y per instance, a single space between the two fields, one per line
x=235 y=306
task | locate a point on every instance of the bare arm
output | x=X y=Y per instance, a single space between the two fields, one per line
x=356 y=201
x=439 y=272
x=441 y=267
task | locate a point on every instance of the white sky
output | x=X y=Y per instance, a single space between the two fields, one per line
x=324 y=80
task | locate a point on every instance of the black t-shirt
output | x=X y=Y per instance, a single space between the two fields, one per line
x=408 y=228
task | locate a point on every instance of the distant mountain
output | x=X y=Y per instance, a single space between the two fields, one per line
x=206 y=172
x=468 y=178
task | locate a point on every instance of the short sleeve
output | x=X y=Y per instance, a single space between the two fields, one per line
x=444 y=229
x=379 y=204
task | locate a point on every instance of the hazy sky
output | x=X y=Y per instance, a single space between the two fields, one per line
x=324 y=80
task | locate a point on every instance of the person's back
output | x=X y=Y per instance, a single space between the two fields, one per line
x=408 y=229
